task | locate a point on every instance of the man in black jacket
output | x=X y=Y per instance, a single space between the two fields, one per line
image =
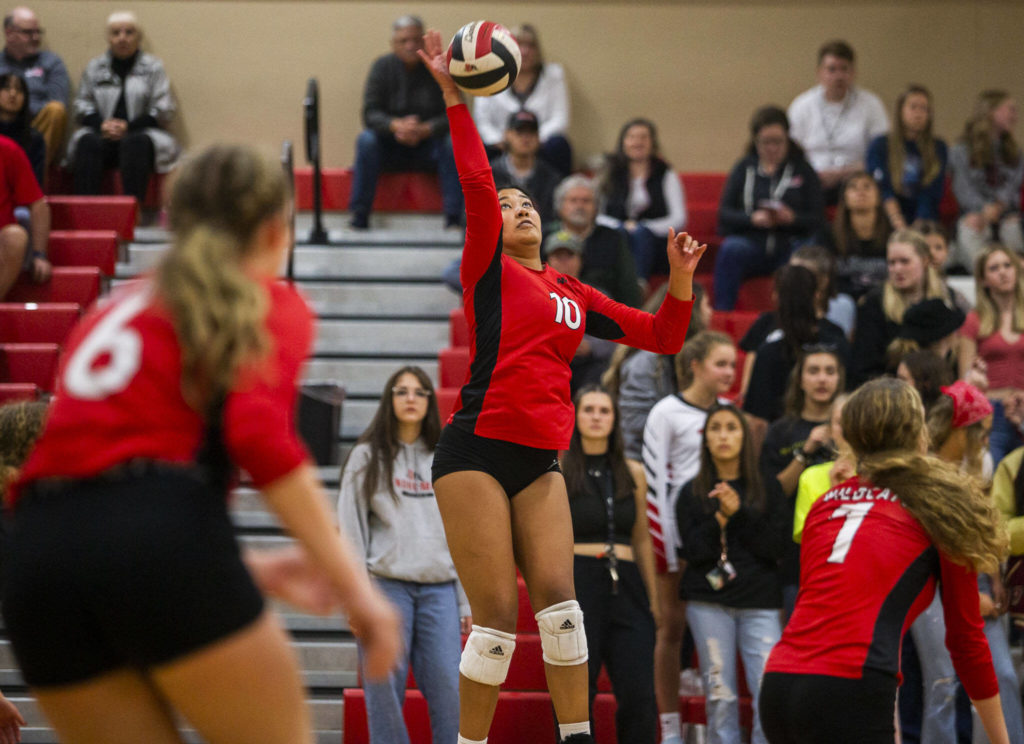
x=406 y=126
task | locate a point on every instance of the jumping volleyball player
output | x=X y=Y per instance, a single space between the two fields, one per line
x=126 y=598
x=874 y=548
x=496 y=475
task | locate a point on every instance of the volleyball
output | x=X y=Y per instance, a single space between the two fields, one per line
x=483 y=58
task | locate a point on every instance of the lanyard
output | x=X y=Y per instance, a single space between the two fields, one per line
x=603 y=478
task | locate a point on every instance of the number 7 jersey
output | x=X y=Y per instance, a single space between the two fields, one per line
x=525 y=324
x=867 y=570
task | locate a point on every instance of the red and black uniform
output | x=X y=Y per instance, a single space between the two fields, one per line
x=868 y=569
x=122 y=549
x=525 y=325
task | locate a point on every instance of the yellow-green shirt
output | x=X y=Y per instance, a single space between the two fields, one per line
x=814 y=483
x=1006 y=500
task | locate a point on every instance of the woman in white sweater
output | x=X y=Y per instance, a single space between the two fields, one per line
x=387 y=507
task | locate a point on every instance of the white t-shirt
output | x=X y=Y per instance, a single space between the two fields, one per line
x=549 y=100
x=836 y=134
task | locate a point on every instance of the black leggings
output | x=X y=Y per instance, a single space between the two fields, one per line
x=134 y=154
x=819 y=709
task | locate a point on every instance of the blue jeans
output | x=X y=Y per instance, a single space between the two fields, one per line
x=1009 y=685
x=648 y=251
x=718 y=631
x=430 y=630
x=740 y=258
x=376 y=152
x=1004 y=437
x=938 y=717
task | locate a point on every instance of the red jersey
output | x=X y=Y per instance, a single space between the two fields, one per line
x=19 y=186
x=119 y=393
x=525 y=325
x=867 y=570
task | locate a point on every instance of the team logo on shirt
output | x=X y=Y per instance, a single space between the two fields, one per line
x=413 y=485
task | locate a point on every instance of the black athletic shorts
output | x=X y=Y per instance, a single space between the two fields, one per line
x=514 y=466
x=820 y=709
x=133 y=568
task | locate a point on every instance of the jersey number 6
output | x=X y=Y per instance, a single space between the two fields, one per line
x=566 y=311
x=113 y=339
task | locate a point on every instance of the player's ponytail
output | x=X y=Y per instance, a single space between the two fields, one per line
x=883 y=422
x=217 y=205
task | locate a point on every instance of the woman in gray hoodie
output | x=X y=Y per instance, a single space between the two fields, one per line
x=387 y=508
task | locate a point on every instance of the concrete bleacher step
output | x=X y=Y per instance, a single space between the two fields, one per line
x=405 y=338
x=389 y=299
x=364 y=376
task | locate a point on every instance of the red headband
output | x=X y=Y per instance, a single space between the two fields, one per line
x=969 y=404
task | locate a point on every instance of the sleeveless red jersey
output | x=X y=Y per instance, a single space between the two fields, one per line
x=119 y=394
x=526 y=325
x=867 y=570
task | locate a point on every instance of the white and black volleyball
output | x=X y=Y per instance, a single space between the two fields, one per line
x=483 y=58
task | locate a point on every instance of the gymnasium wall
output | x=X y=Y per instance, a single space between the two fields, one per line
x=697 y=67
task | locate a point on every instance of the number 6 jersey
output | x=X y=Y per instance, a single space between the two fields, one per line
x=525 y=325
x=867 y=570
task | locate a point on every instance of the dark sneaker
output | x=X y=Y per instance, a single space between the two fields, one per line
x=579 y=739
x=359 y=222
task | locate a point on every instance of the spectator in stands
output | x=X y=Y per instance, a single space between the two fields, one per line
x=642 y=194
x=734 y=527
x=988 y=170
x=833 y=305
x=770 y=204
x=800 y=438
x=541 y=88
x=909 y=163
x=798 y=325
x=21 y=249
x=816 y=480
x=927 y=372
x=406 y=126
x=911 y=278
x=994 y=334
x=938 y=244
x=14 y=122
x=519 y=165
x=860 y=233
x=607 y=261
x=835 y=120
x=123 y=107
x=48 y=83
x=931 y=325
x=705 y=370
x=613 y=563
x=386 y=506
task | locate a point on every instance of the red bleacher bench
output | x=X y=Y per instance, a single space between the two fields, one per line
x=458 y=328
x=446 y=397
x=117 y=213
x=96 y=248
x=48 y=322
x=755 y=294
x=31 y=363
x=734 y=323
x=11 y=392
x=453 y=367
x=396 y=192
x=78 y=284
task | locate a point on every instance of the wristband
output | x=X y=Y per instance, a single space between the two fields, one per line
x=800 y=456
x=39 y=254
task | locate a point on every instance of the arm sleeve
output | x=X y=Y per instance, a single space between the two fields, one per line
x=931 y=196
x=965 y=636
x=967 y=196
x=732 y=217
x=483 y=215
x=161 y=102
x=699 y=531
x=663 y=332
x=811 y=216
x=260 y=412
x=375 y=97
x=353 y=511
x=556 y=118
x=656 y=447
x=1006 y=500
x=877 y=165
x=58 y=84
x=675 y=200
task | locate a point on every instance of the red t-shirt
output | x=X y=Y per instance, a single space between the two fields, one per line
x=119 y=393
x=1004 y=362
x=526 y=325
x=19 y=182
x=867 y=570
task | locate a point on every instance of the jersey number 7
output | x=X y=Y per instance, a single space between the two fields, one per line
x=853 y=514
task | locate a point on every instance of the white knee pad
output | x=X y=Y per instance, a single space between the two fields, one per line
x=562 y=637
x=487 y=654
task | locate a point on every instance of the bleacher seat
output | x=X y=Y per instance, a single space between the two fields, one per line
x=48 y=322
x=734 y=323
x=117 y=213
x=396 y=192
x=34 y=363
x=446 y=397
x=11 y=392
x=78 y=284
x=85 y=248
x=755 y=294
x=453 y=367
x=61 y=182
x=458 y=327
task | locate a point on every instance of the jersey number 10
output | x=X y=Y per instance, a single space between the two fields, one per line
x=566 y=311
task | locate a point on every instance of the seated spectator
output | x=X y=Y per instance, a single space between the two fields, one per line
x=860 y=233
x=927 y=372
x=798 y=327
x=539 y=87
x=911 y=279
x=833 y=305
x=909 y=163
x=835 y=120
x=20 y=250
x=14 y=122
x=642 y=194
x=607 y=261
x=406 y=126
x=930 y=325
x=123 y=107
x=770 y=204
x=519 y=166
x=48 y=84
x=988 y=171
x=994 y=334
x=938 y=244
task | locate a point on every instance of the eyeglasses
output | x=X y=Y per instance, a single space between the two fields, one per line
x=401 y=392
x=30 y=32
x=770 y=141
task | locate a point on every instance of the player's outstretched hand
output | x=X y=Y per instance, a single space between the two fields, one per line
x=684 y=252
x=435 y=59
x=377 y=626
x=10 y=722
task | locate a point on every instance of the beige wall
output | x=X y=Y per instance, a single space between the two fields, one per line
x=697 y=67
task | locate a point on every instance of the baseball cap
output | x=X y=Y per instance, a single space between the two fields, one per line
x=563 y=239
x=523 y=119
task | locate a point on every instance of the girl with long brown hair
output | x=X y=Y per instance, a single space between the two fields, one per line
x=860 y=233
